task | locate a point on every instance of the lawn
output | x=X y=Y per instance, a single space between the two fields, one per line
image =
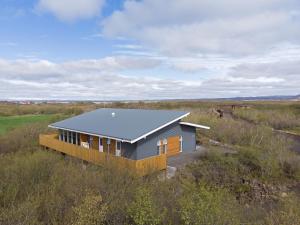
x=9 y=122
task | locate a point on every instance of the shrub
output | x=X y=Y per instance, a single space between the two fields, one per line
x=91 y=211
x=291 y=167
x=278 y=119
x=24 y=138
x=143 y=211
x=286 y=213
x=202 y=206
x=23 y=213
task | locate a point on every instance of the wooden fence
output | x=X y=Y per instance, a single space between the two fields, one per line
x=140 y=167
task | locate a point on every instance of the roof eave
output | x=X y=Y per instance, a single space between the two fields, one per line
x=195 y=125
x=88 y=133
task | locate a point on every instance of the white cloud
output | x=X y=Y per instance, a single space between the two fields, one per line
x=103 y=79
x=229 y=27
x=71 y=10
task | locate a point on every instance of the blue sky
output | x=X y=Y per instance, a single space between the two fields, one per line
x=148 y=49
x=28 y=31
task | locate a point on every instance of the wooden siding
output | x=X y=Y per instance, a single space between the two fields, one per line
x=139 y=167
x=95 y=143
x=83 y=138
x=173 y=146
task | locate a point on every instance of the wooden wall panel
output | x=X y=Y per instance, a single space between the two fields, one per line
x=112 y=147
x=83 y=137
x=95 y=144
x=105 y=145
x=139 y=167
x=173 y=146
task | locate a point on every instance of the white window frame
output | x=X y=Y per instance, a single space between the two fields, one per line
x=100 y=144
x=165 y=146
x=118 y=151
x=158 y=144
x=90 y=141
x=180 y=140
x=67 y=133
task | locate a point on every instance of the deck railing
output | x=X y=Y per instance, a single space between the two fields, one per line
x=140 y=167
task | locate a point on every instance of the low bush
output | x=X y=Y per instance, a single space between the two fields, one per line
x=24 y=138
x=278 y=119
x=143 y=210
x=200 y=205
x=285 y=213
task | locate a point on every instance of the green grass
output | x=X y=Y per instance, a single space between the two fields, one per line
x=9 y=122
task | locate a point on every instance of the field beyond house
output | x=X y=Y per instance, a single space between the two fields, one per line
x=8 y=123
x=249 y=175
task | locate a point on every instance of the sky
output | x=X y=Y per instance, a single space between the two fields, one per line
x=148 y=49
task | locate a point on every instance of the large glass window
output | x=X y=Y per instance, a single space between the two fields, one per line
x=90 y=140
x=70 y=137
x=118 y=145
x=100 y=144
x=61 y=135
x=74 y=138
x=65 y=136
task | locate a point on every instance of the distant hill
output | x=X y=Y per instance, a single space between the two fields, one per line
x=270 y=98
x=252 y=98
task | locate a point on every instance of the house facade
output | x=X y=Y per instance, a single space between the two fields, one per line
x=130 y=134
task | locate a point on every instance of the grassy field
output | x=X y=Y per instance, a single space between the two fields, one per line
x=258 y=183
x=10 y=122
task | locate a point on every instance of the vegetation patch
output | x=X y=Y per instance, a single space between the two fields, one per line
x=9 y=122
x=256 y=184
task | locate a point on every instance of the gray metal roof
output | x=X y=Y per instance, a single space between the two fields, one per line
x=128 y=125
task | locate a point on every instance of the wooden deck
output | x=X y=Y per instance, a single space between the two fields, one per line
x=139 y=167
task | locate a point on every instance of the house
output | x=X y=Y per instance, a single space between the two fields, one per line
x=142 y=138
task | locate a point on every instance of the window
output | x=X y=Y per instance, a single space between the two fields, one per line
x=180 y=142
x=158 y=147
x=165 y=142
x=61 y=135
x=118 y=148
x=118 y=145
x=100 y=144
x=89 y=140
x=70 y=137
x=74 y=138
x=78 y=138
x=162 y=146
x=65 y=135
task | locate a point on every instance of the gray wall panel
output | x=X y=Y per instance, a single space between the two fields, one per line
x=129 y=150
x=148 y=147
